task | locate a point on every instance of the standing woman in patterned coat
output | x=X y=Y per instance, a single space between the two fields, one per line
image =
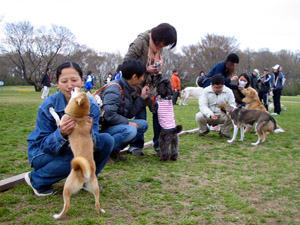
x=147 y=47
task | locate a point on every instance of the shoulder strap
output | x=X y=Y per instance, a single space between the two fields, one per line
x=101 y=90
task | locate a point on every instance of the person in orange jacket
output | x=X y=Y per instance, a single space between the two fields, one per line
x=176 y=86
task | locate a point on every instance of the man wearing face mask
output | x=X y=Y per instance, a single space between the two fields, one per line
x=210 y=114
x=263 y=82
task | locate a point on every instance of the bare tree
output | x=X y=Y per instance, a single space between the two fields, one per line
x=33 y=50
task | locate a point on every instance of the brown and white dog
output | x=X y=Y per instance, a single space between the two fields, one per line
x=190 y=91
x=244 y=117
x=83 y=164
x=252 y=102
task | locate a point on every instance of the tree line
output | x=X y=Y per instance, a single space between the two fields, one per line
x=27 y=51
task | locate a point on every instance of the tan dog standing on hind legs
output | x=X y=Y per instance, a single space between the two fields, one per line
x=83 y=164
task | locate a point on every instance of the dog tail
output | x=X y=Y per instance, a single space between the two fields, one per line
x=277 y=129
x=80 y=163
x=274 y=122
x=178 y=129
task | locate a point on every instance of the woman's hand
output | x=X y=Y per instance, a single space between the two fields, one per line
x=152 y=69
x=67 y=127
x=145 y=92
x=235 y=77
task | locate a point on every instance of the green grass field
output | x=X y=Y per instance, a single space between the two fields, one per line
x=212 y=182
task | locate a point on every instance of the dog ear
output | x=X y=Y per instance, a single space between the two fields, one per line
x=79 y=99
x=223 y=108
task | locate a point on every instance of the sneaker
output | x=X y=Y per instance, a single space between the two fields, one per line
x=274 y=114
x=50 y=191
x=136 y=151
x=204 y=133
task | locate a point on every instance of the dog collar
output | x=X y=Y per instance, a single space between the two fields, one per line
x=77 y=117
x=231 y=111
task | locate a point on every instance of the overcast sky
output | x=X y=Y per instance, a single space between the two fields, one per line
x=111 y=25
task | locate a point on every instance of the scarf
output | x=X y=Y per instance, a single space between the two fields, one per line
x=154 y=55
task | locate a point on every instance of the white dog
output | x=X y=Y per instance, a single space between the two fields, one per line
x=188 y=92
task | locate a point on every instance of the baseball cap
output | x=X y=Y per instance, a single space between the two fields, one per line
x=276 y=67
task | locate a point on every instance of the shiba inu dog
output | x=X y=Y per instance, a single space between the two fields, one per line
x=83 y=165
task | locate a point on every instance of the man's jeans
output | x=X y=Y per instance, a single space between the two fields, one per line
x=156 y=129
x=125 y=134
x=49 y=169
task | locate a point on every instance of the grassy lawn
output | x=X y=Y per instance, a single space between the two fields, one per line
x=212 y=182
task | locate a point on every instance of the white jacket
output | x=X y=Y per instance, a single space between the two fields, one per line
x=209 y=101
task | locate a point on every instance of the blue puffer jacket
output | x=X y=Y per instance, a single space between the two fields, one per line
x=119 y=110
x=277 y=82
x=220 y=68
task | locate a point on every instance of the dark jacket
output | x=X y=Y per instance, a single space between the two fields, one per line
x=253 y=81
x=264 y=86
x=277 y=82
x=46 y=80
x=220 y=68
x=118 y=109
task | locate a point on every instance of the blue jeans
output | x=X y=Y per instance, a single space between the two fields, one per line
x=125 y=134
x=49 y=169
x=156 y=128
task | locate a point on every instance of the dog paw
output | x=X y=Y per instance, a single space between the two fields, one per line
x=56 y=216
x=51 y=110
x=230 y=141
x=254 y=144
x=102 y=211
x=241 y=139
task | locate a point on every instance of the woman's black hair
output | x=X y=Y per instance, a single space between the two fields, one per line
x=46 y=71
x=164 y=33
x=247 y=78
x=89 y=72
x=133 y=66
x=68 y=65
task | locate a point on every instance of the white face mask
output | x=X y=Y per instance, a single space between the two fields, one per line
x=242 y=83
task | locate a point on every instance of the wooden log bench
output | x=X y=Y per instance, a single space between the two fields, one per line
x=19 y=179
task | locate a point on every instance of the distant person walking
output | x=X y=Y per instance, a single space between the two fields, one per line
x=46 y=83
x=89 y=81
x=176 y=86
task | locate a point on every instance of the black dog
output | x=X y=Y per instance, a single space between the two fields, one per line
x=168 y=139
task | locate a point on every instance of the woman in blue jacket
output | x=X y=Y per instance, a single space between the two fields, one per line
x=227 y=69
x=277 y=83
x=48 y=147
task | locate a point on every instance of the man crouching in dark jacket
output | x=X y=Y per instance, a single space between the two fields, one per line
x=120 y=107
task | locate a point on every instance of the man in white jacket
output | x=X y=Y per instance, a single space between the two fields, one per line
x=210 y=114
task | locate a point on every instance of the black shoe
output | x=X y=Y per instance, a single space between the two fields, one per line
x=50 y=191
x=204 y=133
x=117 y=155
x=157 y=149
x=227 y=136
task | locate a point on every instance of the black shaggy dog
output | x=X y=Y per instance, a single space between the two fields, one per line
x=168 y=139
